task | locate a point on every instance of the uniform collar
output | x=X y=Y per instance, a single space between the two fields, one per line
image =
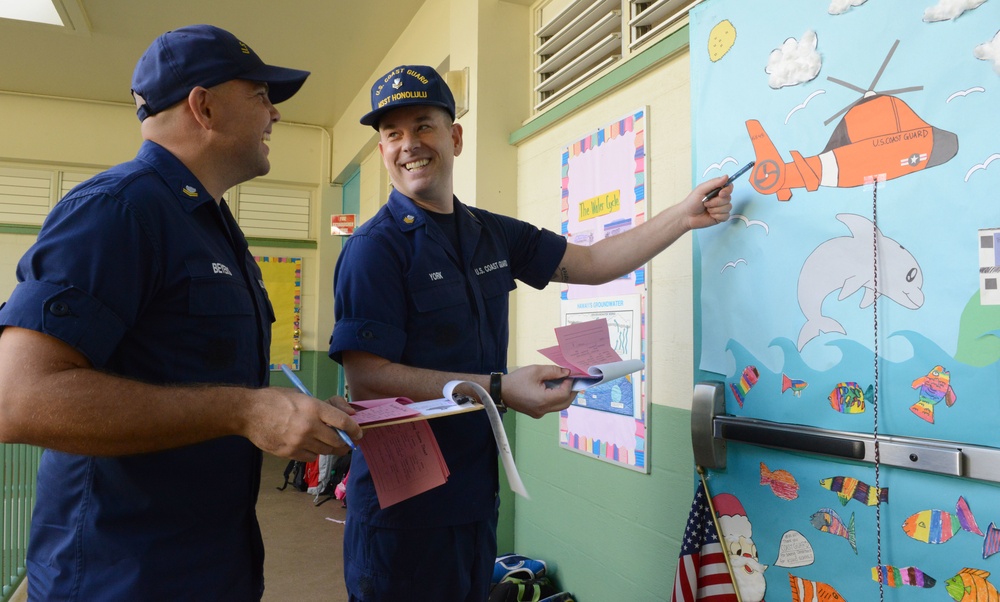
x=408 y=216
x=185 y=186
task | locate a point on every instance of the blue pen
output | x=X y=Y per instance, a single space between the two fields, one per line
x=715 y=191
x=302 y=388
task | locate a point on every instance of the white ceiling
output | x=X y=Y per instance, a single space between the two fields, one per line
x=340 y=41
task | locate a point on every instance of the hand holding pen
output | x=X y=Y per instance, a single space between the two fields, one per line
x=302 y=389
x=715 y=192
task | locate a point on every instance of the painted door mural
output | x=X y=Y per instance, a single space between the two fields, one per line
x=855 y=288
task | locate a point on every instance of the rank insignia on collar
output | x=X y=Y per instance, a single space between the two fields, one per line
x=409 y=219
x=190 y=191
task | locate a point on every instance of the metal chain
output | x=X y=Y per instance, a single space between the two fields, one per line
x=883 y=573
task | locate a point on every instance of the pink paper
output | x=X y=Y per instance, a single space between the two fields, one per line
x=581 y=346
x=385 y=410
x=404 y=460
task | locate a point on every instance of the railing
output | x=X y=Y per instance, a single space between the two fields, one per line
x=20 y=467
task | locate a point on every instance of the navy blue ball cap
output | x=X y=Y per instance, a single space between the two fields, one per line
x=408 y=85
x=203 y=55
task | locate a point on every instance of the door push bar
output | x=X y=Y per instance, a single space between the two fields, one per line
x=711 y=428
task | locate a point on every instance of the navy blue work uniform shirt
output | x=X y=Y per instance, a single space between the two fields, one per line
x=150 y=278
x=402 y=292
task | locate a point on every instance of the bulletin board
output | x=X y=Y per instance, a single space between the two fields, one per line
x=603 y=176
x=283 y=281
x=854 y=287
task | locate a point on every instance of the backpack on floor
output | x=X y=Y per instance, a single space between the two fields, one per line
x=515 y=565
x=512 y=589
x=295 y=473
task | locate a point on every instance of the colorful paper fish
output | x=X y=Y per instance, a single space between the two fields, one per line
x=970 y=585
x=938 y=526
x=907 y=575
x=991 y=543
x=847 y=398
x=848 y=489
x=747 y=380
x=804 y=590
x=826 y=520
x=781 y=482
x=797 y=386
x=931 y=389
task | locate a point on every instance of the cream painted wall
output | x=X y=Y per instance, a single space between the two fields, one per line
x=665 y=91
x=425 y=42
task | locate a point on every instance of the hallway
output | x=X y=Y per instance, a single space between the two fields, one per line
x=302 y=542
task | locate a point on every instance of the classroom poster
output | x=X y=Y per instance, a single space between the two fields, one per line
x=608 y=421
x=283 y=281
x=603 y=193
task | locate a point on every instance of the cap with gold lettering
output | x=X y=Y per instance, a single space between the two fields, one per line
x=408 y=85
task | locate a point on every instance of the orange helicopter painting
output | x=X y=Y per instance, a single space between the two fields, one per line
x=879 y=138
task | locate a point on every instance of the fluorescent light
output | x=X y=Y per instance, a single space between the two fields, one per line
x=37 y=11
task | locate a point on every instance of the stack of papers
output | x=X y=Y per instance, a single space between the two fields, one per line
x=403 y=455
x=585 y=349
x=397 y=410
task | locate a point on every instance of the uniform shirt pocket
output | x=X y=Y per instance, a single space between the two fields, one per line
x=214 y=292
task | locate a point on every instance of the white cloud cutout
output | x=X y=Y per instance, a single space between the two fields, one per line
x=795 y=62
x=839 y=7
x=989 y=51
x=949 y=9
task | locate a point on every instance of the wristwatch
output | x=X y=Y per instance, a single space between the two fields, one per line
x=495 y=392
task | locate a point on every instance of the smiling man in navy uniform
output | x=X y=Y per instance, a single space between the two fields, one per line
x=136 y=347
x=421 y=298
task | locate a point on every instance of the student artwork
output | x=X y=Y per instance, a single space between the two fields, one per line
x=737 y=531
x=938 y=526
x=794 y=550
x=931 y=389
x=721 y=40
x=781 y=482
x=880 y=136
x=970 y=585
x=898 y=577
x=848 y=398
x=805 y=590
x=828 y=521
x=748 y=378
x=848 y=489
x=991 y=543
x=843 y=265
x=796 y=386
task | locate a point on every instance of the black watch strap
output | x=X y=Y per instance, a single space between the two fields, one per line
x=495 y=391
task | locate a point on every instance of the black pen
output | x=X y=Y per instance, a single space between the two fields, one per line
x=732 y=178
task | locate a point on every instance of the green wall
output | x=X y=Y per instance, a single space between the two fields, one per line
x=319 y=373
x=585 y=513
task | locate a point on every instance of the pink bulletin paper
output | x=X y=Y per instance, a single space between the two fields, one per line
x=404 y=461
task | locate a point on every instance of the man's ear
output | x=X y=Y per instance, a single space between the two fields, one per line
x=199 y=102
x=456 y=137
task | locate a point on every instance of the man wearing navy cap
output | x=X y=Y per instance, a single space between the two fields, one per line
x=135 y=348
x=421 y=298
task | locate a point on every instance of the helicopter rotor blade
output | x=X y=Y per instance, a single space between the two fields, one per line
x=839 y=113
x=899 y=90
x=884 y=63
x=846 y=84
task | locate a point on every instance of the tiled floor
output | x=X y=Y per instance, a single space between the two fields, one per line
x=302 y=541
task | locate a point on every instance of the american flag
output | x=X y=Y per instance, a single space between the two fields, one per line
x=701 y=570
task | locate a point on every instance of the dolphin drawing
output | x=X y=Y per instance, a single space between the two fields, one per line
x=845 y=264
